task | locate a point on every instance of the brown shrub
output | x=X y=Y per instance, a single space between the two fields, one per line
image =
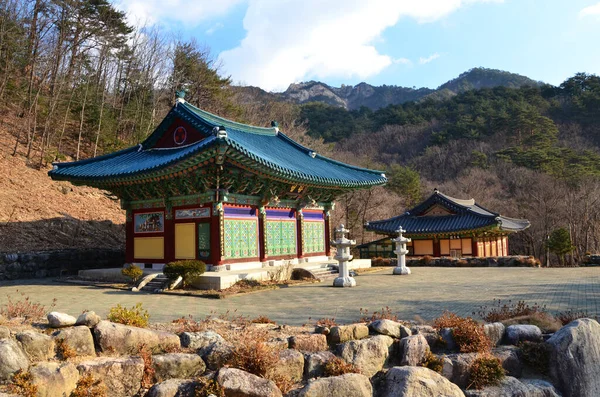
x=208 y=387
x=24 y=308
x=384 y=314
x=503 y=311
x=432 y=362
x=148 y=378
x=337 y=366
x=263 y=320
x=252 y=353
x=63 y=350
x=325 y=322
x=461 y=263
x=468 y=333
x=485 y=371
x=21 y=384
x=283 y=382
x=545 y=321
x=536 y=355
x=426 y=260
x=87 y=386
x=571 y=315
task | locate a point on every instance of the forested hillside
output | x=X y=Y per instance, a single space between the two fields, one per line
x=77 y=81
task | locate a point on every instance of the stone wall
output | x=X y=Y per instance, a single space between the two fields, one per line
x=57 y=263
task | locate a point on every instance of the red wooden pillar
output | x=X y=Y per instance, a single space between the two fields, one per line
x=262 y=238
x=437 y=250
x=216 y=235
x=299 y=217
x=327 y=234
x=169 y=239
x=474 y=247
x=129 y=236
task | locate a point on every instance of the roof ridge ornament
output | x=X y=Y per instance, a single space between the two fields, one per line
x=275 y=125
x=180 y=94
x=220 y=131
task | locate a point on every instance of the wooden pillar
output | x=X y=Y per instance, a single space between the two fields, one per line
x=216 y=235
x=474 y=247
x=437 y=250
x=169 y=240
x=507 y=248
x=262 y=238
x=299 y=244
x=129 y=236
x=327 y=234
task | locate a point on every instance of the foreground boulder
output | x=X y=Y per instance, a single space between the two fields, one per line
x=37 y=346
x=78 y=338
x=89 y=319
x=413 y=350
x=417 y=381
x=390 y=328
x=510 y=360
x=124 y=339
x=347 y=385
x=122 y=376
x=177 y=365
x=494 y=332
x=54 y=379
x=522 y=333
x=238 y=383
x=575 y=358
x=512 y=387
x=173 y=388
x=456 y=368
x=345 y=333
x=368 y=355
x=12 y=359
x=290 y=365
x=431 y=334
x=199 y=340
x=216 y=354
x=314 y=363
x=309 y=342
x=58 y=320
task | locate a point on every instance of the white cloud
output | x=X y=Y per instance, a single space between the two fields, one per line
x=593 y=10
x=190 y=13
x=294 y=40
x=402 y=61
x=423 y=61
x=214 y=28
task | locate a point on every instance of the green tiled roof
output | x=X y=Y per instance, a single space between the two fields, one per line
x=467 y=215
x=264 y=150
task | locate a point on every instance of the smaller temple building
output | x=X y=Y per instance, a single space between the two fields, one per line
x=445 y=226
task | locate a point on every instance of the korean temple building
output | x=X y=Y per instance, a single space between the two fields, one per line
x=229 y=194
x=445 y=226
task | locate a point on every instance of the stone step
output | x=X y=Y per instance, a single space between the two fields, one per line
x=156 y=283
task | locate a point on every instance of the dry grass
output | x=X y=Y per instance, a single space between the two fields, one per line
x=252 y=353
x=263 y=320
x=24 y=308
x=337 y=366
x=384 y=314
x=485 y=371
x=571 y=315
x=503 y=311
x=208 y=387
x=87 y=386
x=21 y=384
x=467 y=333
x=64 y=351
x=545 y=321
x=148 y=378
x=432 y=362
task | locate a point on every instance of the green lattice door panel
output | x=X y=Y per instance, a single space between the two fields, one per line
x=204 y=241
x=281 y=238
x=313 y=235
x=241 y=238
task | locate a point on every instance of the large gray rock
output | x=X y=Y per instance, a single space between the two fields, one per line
x=4 y=332
x=173 y=388
x=238 y=383
x=368 y=355
x=199 y=340
x=308 y=342
x=413 y=350
x=456 y=368
x=37 y=346
x=314 y=363
x=216 y=354
x=345 y=333
x=122 y=376
x=124 y=339
x=290 y=365
x=388 y=327
x=494 y=332
x=417 y=381
x=521 y=333
x=431 y=334
x=12 y=359
x=448 y=337
x=59 y=320
x=78 y=338
x=177 y=365
x=512 y=387
x=510 y=358
x=347 y=385
x=54 y=379
x=89 y=319
x=575 y=358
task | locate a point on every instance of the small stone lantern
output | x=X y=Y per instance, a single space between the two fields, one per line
x=401 y=252
x=343 y=256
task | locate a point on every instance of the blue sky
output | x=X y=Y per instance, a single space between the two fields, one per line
x=272 y=43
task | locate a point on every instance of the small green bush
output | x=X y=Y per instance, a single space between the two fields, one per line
x=536 y=355
x=185 y=269
x=136 y=316
x=433 y=362
x=133 y=272
x=485 y=371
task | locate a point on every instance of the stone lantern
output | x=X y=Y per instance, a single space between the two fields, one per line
x=343 y=256
x=401 y=252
